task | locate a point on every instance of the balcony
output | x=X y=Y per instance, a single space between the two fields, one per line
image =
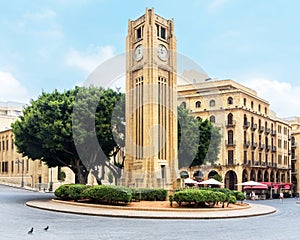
x=261 y=147
x=289 y=152
x=294 y=144
x=254 y=145
x=246 y=125
x=273 y=132
x=261 y=129
x=246 y=144
x=230 y=143
x=268 y=147
x=230 y=124
x=274 y=149
x=289 y=137
x=269 y=164
x=253 y=126
x=267 y=131
x=230 y=162
x=293 y=158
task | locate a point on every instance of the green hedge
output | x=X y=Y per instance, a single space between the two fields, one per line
x=144 y=194
x=71 y=191
x=202 y=197
x=109 y=194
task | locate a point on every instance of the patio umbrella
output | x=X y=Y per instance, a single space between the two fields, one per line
x=251 y=184
x=190 y=181
x=210 y=181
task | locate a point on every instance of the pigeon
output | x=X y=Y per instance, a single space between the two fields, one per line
x=46 y=228
x=30 y=231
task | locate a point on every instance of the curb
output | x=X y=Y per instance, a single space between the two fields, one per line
x=119 y=212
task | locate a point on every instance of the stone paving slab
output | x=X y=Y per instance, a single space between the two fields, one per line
x=123 y=212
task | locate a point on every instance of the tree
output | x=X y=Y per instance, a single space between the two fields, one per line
x=48 y=131
x=209 y=143
x=188 y=137
x=198 y=140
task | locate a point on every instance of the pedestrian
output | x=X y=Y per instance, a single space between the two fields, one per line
x=245 y=194
x=253 y=195
x=281 y=197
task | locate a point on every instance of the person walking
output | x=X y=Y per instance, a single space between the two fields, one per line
x=281 y=197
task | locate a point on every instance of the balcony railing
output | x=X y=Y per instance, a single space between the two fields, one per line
x=246 y=144
x=253 y=126
x=267 y=131
x=273 y=132
x=231 y=123
x=230 y=162
x=230 y=143
x=294 y=144
x=293 y=158
x=254 y=145
x=261 y=147
x=268 y=147
x=246 y=124
x=274 y=149
x=261 y=129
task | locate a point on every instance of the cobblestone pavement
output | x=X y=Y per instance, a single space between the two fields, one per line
x=16 y=219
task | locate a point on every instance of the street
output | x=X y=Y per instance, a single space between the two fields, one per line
x=16 y=220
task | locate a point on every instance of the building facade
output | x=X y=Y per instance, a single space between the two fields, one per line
x=255 y=145
x=151 y=98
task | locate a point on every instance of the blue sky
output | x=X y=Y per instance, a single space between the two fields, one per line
x=55 y=44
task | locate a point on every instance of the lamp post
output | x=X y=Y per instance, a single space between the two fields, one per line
x=21 y=162
x=51 y=183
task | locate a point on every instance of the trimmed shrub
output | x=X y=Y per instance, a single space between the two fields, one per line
x=239 y=195
x=144 y=194
x=109 y=194
x=71 y=191
x=232 y=200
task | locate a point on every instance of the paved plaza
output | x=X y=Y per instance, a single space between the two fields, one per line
x=17 y=219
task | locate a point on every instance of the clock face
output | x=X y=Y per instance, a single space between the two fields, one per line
x=138 y=53
x=162 y=52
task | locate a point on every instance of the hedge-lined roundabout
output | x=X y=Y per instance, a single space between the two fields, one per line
x=181 y=198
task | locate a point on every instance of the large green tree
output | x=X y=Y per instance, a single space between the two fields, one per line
x=60 y=128
x=198 y=140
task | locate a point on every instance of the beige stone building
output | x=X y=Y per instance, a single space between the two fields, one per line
x=255 y=144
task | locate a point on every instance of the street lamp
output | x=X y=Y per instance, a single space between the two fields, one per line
x=21 y=162
x=51 y=183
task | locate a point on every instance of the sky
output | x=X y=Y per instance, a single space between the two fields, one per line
x=56 y=44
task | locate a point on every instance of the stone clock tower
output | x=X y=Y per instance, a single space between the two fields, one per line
x=151 y=102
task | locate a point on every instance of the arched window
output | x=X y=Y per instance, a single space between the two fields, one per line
x=212 y=119
x=198 y=118
x=183 y=104
x=198 y=104
x=230 y=119
x=252 y=105
x=212 y=103
x=230 y=100
x=245 y=120
x=259 y=107
x=245 y=101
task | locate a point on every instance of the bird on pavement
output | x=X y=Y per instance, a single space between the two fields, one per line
x=30 y=231
x=46 y=228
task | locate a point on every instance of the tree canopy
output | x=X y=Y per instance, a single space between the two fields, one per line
x=198 y=140
x=50 y=131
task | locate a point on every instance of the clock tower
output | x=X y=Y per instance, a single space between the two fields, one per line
x=151 y=103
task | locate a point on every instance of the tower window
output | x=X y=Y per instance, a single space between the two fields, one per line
x=161 y=31
x=139 y=33
x=212 y=119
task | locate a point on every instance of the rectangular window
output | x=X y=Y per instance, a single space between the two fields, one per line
x=6 y=144
x=3 y=145
x=245 y=157
x=279 y=143
x=279 y=159
x=230 y=157
x=139 y=33
x=163 y=33
x=12 y=166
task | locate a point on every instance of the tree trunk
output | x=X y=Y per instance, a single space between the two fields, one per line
x=81 y=173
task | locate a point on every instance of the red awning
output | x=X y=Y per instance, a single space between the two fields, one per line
x=256 y=187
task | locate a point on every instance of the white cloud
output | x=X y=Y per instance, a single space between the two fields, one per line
x=11 y=89
x=283 y=97
x=89 y=59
